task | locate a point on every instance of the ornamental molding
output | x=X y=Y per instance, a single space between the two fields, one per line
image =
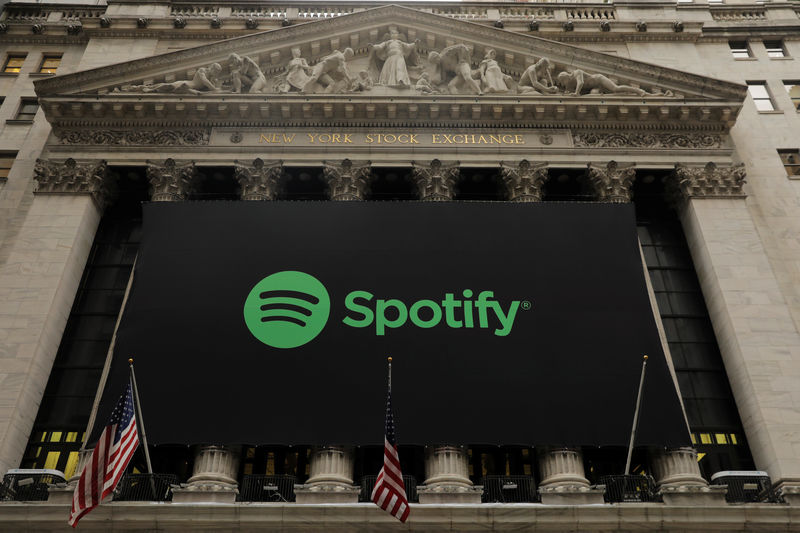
x=524 y=181
x=611 y=182
x=170 y=181
x=189 y=137
x=72 y=177
x=347 y=181
x=686 y=141
x=259 y=180
x=709 y=181
x=436 y=182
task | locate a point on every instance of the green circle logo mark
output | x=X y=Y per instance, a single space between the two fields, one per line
x=287 y=309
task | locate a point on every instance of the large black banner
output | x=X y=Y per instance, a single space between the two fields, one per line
x=270 y=322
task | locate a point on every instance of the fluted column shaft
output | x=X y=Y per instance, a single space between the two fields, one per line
x=562 y=466
x=331 y=464
x=215 y=464
x=446 y=464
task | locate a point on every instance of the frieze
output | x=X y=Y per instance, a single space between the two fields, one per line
x=647 y=140
x=195 y=137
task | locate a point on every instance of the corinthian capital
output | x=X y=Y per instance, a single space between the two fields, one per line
x=170 y=181
x=611 y=183
x=710 y=181
x=524 y=182
x=72 y=177
x=259 y=180
x=347 y=181
x=436 y=182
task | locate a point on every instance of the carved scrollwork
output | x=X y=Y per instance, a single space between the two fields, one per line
x=524 y=181
x=647 y=140
x=436 y=182
x=611 y=183
x=197 y=137
x=259 y=180
x=170 y=181
x=710 y=181
x=71 y=177
x=347 y=181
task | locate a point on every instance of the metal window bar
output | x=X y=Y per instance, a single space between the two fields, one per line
x=746 y=487
x=508 y=489
x=368 y=483
x=29 y=485
x=137 y=488
x=264 y=488
x=631 y=488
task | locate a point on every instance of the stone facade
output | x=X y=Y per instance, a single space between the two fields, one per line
x=612 y=91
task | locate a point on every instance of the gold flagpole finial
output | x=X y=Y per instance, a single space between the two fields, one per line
x=389 y=359
x=130 y=361
x=645 y=358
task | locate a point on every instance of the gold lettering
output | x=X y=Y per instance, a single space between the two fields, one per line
x=435 y=137
x=324 y=137
x=289 y=138
x=519 y=139
x=368 y=138
x=390 y=139
x=494 y=139
x=336 y=138
x=413 y=139
x=347 y=138
x=402 y=138
x=311 y=137
x=462 y=141
x=447 y=138
x=508 y=139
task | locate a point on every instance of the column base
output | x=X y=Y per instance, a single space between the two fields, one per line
x=314 y=493
x=694 y=495
x=60 y=493
x=575 y=494
x=789 y=492
x=205 y=492
x=449 y=493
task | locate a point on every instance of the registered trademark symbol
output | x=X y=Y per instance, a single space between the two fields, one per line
x=525 y=305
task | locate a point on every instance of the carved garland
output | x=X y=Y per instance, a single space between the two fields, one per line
x=647 y=140
x=198 y=137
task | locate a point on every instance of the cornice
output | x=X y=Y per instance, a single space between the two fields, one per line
x=457 y=29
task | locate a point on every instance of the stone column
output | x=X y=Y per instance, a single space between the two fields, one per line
x=611 y=183
x=347 y=181
x=331 y=477
x=524 y=182
x=38 y=280
x=757 y=337
x=259 y=180
x=564 y=479
x=435 y=182
x=680 y=482
x=447 y=477
x=170 y=181
x=213 y=476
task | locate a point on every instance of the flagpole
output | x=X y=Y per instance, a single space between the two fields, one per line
x=390 y=374
x=635 y=417
x=140 y=421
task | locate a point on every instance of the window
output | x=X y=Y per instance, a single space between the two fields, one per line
x=740 y=50
x=49 y=64
x=791 y=161
x=14 y=63
x=27 y=109
x=793 y=88
x=775 y=48
x=6 y=160
x=760 y=94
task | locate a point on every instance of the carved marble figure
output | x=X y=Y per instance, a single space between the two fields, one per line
x=297 y=73
x=205 y=79
x=538 y=78
x=330 y=71
x=454 y=60
x=578 y=82
x=245 y=71
x=390 y=56
x=492 y=78
x=362 y=82
x=423 y=84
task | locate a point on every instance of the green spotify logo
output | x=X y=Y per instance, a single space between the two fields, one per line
x=287 y=309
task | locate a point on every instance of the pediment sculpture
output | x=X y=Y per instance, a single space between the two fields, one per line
x=396 y=66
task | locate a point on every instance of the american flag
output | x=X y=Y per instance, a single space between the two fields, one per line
x=390 y=493
x=109 y=460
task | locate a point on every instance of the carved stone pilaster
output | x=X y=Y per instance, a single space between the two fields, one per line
x=347 y=181
x=259 y=180
x=72 y=177
x=331 y=477
x=447 y=477
x=525 y=181
x=611 y=183
x=435 y=182
x=213 y=476
x=170 y=181
x=680 y=482
x=564 y=480
x=710 y=181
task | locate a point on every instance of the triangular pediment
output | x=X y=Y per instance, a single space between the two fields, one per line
x=296 y=72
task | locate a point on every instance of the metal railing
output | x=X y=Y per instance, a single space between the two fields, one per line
x=746 y=486
x=264 y=488
x=368 y=483
x=634 y=488
x=145 y=488
x=29 y=485
x=508 y=489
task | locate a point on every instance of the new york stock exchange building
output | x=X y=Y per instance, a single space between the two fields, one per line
x=259 y=203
